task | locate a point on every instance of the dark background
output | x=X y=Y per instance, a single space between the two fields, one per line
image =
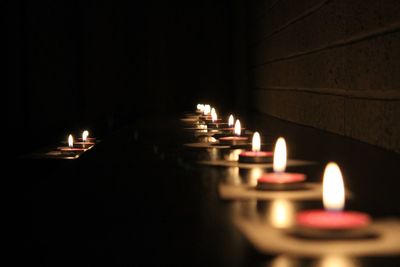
x=104 y=65
x=101 y=64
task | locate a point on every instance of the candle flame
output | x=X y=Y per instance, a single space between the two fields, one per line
x=85 y=134
x=280 y=155
x=207 y=109
x=200 y=107
x=256 y=142
x=238 y=127
x=231 y=120
x=70 y=141
x=333 y=187
x=214 y=116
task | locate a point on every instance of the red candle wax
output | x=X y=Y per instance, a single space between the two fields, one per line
x=215 y=121
x=84 y=143
x=233 y=140
x=231 y=129
x=281 y=181
x=256 y=157
x=71 y=149
x=208 y=117
x=332 y=220
x=282 y=178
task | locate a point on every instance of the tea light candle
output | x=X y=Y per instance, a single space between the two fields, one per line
x=234 y=140
x=214 y=122
x=85 y=140
x=70 y=148
x=231 y=122
x=85 y=137
x=332 y=221
x=255 y=155
x=279 y=179
x=206 y=113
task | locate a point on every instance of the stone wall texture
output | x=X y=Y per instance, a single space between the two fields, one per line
x=329 y=64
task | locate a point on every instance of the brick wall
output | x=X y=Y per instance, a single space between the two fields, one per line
x=329 y=64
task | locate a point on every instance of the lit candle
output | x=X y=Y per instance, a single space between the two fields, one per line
x=231 y=121
x=230 y=125
x=279 y=179
x=207 y=109
x=255 y=155
x=86 y=141
x=85 y=134
x=236 y=139
x=200 y=108
x=332 y=218
x=214 y=122
x=206 y=112
x=71 y=148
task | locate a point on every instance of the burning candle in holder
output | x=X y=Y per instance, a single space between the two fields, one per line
x=206 y=113
x=85 y=141
x=279 y=179
x=333 y=222
x=235 y=140
x=230 y=126
x=255 y=155
x=71 y=149
x=214 y=122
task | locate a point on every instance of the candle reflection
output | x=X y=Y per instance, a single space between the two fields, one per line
x=324 y=261
x=213 y=153
x=337 y=260
x=284 y=261
x=246 y=209
x=233 y=155
x=281 y=213
x=254 y=174
x=233 y=176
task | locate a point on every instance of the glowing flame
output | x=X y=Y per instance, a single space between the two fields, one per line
x=256 y=142
x=207 y=109
x=85 y=134
x=231 y=121
x=200 y=107
x=280 y=155
x=333 y=188
x=70 y=141
x=214 y=115
x=238 y=127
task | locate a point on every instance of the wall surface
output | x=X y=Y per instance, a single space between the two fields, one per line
x=329 y=64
